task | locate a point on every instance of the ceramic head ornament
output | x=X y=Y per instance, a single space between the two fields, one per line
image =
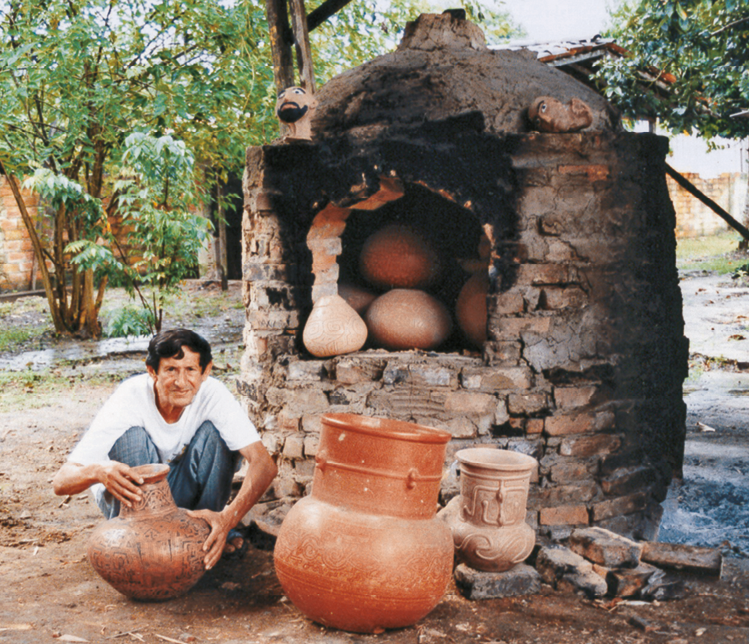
x=294 y=108
x=547 y=114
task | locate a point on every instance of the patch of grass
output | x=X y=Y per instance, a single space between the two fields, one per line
x=714 y=253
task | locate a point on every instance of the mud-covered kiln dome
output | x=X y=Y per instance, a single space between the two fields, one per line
x=443 y=69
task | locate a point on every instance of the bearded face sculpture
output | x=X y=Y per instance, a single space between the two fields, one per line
x=294 y=107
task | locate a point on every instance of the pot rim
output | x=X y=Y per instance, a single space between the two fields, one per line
x=387 y=428
x=495 y=459
x=151 y=472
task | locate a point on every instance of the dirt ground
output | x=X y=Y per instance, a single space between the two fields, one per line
x=50 y=592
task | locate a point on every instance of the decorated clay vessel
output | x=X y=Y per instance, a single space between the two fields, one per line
x=154 y=550
x=470 y=309
x=333 y=328
x=404 y=319
x=365 y=552
x=398 y=256
x=490 y=531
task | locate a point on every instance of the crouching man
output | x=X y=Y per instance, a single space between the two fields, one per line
x=176 y=414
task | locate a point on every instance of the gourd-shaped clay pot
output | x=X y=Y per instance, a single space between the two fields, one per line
x=365 y=552
x=490 y=532
x=404 y=319
x=333 y=328
x=398 y=256
x=154 y=550
x=470 y=309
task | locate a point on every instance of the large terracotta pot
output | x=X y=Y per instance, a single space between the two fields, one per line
x=490 y=532
x=398 y=256
x=152 y=551
x=404 y=319
x=365 y=551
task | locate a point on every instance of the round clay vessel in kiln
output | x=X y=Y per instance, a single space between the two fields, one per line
x=356 y=297
x=154 y=550
x=490 y=531
x=333 y=328
x=365 y=552
x=404 y=319
x=397 y=256
x=470 y=309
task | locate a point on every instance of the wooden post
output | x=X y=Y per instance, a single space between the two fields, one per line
x=280 y=44
x=301 y=41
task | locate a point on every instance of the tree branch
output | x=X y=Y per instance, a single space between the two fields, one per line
x=323 y=12
x=730 y=25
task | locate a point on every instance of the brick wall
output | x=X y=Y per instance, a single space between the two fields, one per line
x=693 y=218
x=16 y=252
x=585 y=357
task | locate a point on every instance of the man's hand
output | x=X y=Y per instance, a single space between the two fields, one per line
x=120 y=482
x=216 y=540
x=118 y=479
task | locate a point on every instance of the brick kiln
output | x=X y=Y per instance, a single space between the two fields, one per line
x=584 y=355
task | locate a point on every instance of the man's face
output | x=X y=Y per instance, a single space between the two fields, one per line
x=177 y=381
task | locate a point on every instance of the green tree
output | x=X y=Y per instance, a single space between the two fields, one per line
x=697 y=50
x=76 y=76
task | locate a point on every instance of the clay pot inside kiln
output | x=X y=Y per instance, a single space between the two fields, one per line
x=154 y=550
x=365 y=552
x=404 y=319
x=398 y=256
x=333 y=328
x=470 y=309
x=490 y=532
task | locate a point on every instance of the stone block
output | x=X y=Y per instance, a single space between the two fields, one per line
x=516 y=328
x=350 y=372
x=558 y=298
x=627 y=480
x=311 y=445
x=470 y=403
x=507 y=378
x=682 y=557
x=555 y=562
x=527 y=403
x=310 y=370
x=568 y=515
x=510 y=303
x=293 y=447
x=507 y=353
x=562 y=425
x=580 y=493
x=621 y=506
x=588 y=583
x=592 y=172
x=606 y=548
x=586 y=446
x=570 y=472
x=572 y=397
x=628 y=582
x=543 y=274
x=534 y=426
x=272 y=442
x=475 y=584
x=311 y=424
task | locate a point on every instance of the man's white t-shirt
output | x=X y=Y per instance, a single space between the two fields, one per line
x=133 y=404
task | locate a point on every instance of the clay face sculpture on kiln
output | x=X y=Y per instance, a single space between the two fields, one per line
x=547 y=114
x=294 y=108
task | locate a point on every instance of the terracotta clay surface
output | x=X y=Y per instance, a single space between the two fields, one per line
x=294 y=108
x=357 y=297
x=547 y=114
x=152 y=551
x=398 y=256
x=333 y=328
x=470 y=309
x=405 y=319
x=365 y=552
x=490 y=532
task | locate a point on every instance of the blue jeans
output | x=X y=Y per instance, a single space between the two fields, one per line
x=200 y=478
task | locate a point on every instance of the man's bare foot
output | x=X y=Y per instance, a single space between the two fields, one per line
x=236 y=545
x=233 y=545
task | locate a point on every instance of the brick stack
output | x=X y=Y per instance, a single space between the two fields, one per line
x=16 y=252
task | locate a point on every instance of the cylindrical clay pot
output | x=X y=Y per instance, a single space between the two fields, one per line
x=154 y=550
x=365 y=552
x=490 y=532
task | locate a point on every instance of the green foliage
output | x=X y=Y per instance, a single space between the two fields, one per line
x=129 y=321
x=703 y=45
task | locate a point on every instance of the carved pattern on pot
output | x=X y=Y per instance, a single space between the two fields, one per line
x=365 y=551
x=490 y=532
x=154 y=550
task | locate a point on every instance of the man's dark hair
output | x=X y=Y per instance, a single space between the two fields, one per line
x=168 y=344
